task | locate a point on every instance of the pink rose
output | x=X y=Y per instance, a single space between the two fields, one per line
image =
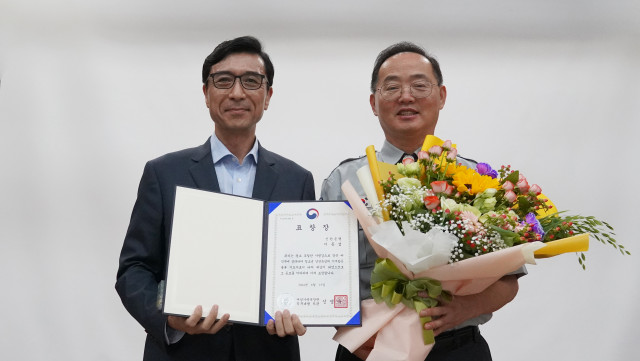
x=452 y=154
x=446 y=145
x=508 y=186
x=423 y=155
x=439 y=186
x=522 y=184
x=407 y=161
x=510 y=196
x=442 y=187
x=435 y=150
x=431 y=202
x=535 y=189
x=450 y=189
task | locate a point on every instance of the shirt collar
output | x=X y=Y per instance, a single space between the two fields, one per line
x=390 y=153
x=219 y=151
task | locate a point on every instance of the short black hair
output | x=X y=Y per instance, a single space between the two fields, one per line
x=403 y=47
x=243 y=44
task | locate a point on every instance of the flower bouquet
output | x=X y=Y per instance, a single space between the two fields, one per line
x=441 y=229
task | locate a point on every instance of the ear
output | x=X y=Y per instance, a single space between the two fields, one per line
x=443 y=96
x=268 y=98
x=372 y=101
x=206 y=94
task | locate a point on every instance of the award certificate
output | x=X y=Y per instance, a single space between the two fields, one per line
x=253 y=258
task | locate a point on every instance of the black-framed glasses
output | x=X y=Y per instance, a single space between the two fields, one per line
x=393 y=91
x=226 y=80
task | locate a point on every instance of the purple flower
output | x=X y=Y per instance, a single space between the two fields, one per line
x=485 y=169
x=531 y=219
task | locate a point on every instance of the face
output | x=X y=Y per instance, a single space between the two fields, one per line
x=407 y=117
x=236 y=111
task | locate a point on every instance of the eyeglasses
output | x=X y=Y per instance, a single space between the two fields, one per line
x=393 y=91
x=226 y=80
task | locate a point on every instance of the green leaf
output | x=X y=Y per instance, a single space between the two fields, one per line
x=513 y=177
x=524 y=205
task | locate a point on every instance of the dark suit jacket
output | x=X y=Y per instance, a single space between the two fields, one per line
x=143 y=259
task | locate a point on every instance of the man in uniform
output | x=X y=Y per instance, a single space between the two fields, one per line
x=407 y=94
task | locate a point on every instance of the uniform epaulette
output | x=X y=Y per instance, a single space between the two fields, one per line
x=350 y=160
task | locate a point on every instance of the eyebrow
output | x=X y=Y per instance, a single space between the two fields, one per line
x=411 y=77
x=231 y=73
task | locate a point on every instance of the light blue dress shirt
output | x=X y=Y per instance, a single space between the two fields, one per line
x=233 y=177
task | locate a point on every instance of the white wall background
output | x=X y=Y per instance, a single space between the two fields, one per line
x=91 y=90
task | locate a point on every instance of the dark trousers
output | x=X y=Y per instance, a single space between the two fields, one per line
x=465 y=344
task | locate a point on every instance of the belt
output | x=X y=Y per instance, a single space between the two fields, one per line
x=451 y=340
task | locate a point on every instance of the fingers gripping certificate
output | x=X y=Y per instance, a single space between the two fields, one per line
x=253 y=258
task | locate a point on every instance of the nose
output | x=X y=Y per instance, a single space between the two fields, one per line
x=237 y=91
x=405 y=95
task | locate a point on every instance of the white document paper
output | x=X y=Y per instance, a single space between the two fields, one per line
x=215 y=255
x=312 y=251
x=304 y=259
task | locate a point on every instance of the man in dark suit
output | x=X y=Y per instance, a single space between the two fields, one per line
x=237 y=78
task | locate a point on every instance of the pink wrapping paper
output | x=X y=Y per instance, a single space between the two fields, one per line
x=399 y=333
x=399 y=329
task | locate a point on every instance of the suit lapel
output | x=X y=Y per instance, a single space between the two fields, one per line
x=266 y=176
x=203 y=171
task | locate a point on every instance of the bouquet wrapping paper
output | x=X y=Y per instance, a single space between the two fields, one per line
x=399 y=328
x=443 y=229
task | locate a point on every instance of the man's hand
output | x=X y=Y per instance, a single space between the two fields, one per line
x=449 y=315
x=461 y=308
x=286 y=324
x=194 y=325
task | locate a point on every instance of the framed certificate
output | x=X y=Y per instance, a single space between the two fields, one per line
x=253 y=258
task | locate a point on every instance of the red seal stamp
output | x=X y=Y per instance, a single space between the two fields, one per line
x=340 y=301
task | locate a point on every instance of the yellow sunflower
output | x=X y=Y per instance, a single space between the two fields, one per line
x=472 y=182
x=451 y=168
